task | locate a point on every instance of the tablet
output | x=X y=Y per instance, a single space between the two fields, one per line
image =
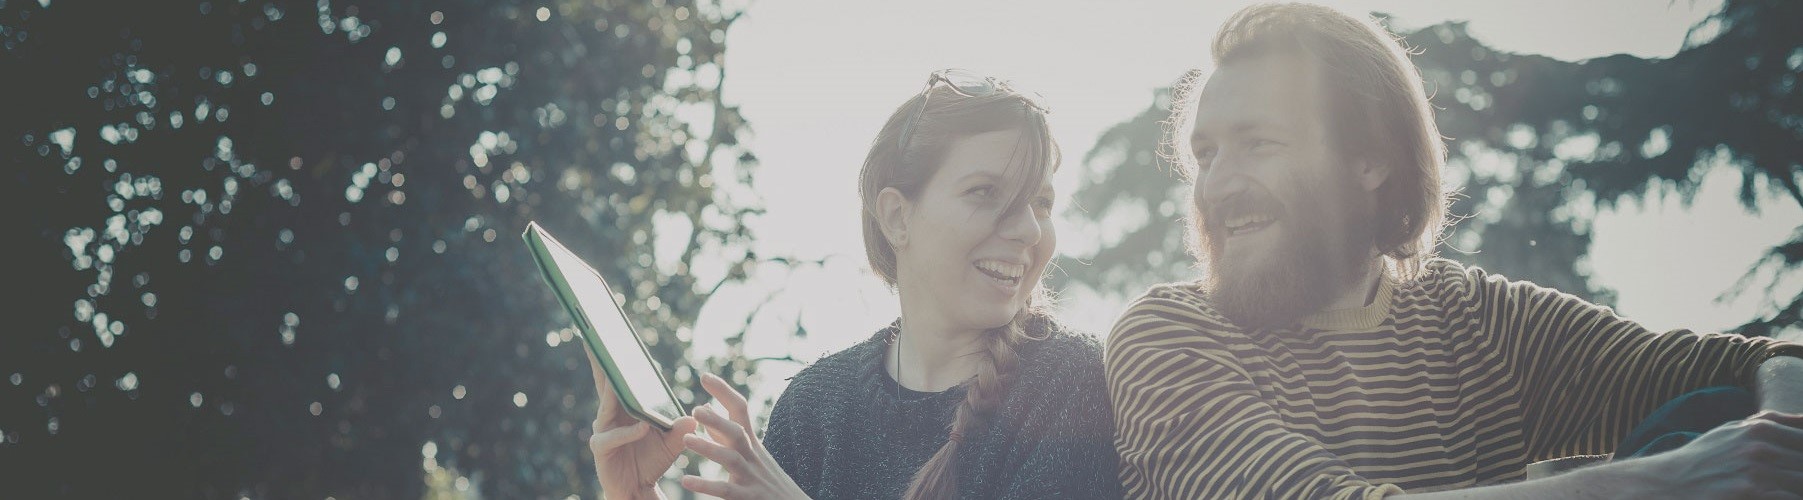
x=605 y=330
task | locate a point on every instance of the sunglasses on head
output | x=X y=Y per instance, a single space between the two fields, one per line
x=967 y=84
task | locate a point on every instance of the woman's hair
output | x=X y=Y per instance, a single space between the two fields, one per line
x=946 y=118
x=1377 y=111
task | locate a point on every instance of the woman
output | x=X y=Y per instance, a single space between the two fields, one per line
x=975 y=392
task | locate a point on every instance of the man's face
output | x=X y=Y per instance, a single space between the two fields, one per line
x=1282 y=219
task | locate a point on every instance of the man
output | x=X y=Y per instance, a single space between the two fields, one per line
x=1328 y=355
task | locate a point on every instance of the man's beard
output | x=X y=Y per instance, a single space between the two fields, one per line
x=1324 y=244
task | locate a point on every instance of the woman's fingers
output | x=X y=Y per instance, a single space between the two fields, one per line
x=710 y=487
x=731 y=399
x=731 y=459
x=722 y=429
x=709 y=421
x=608 y=439
x=683 y=426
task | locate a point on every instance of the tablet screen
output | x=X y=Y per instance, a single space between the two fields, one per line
x=612 y=331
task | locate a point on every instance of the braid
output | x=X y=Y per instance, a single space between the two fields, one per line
x=937 y=479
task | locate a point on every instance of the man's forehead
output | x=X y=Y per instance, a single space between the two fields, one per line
x=1267 y=91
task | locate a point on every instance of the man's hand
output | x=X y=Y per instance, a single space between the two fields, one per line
x=1779 y=383
x=1760 y=457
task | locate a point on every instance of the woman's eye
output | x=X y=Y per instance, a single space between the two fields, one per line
x=1260 y=144
x=1043 y=206
x=984 y=192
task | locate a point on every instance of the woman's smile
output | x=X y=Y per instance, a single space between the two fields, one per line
x=1004 y=275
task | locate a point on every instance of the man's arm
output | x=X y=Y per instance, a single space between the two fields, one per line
x=1587 y=368
x=1760 y=457
x=1588 y=376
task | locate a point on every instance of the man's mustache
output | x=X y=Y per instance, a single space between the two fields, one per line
x=1215 y=216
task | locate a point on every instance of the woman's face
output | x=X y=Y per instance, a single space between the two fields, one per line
x=976 y=260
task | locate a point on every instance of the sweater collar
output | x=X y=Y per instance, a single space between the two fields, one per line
x=1356 y=318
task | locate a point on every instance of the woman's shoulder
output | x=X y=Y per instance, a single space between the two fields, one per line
x=1058 y=342
x=1063 y=355
x=836 y=372
x=1061 y=387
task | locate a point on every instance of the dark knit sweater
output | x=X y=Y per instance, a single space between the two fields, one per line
x=841 y=431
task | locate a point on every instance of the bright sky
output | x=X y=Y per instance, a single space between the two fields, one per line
x=817 y=78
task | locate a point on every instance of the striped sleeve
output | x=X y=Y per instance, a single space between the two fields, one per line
x=1191 y=423
x=1587 y=376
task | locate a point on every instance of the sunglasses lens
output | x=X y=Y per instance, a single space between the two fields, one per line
x=974 y=85
x=968 y=83
x=1036 y=100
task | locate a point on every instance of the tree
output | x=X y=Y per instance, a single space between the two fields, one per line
x=272 y=246
x=1595 y=132
x=1132 y=195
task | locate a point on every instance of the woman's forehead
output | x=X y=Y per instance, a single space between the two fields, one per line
x=996 y=154
x=998 y=148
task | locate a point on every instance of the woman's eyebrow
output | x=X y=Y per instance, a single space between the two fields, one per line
x=983 y=174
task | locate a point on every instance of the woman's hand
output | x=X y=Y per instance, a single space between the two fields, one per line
x=751 y=471
x=630 y=455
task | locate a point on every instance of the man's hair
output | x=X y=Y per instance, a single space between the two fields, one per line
x=1377 y=112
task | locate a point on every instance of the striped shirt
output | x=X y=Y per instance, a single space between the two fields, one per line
x=1455 y=379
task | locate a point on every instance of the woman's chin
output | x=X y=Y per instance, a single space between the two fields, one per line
x=995 y=317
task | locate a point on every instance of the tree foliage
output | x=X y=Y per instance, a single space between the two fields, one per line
x=270 y=248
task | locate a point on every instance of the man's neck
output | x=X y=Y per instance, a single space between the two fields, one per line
x=1360 y=291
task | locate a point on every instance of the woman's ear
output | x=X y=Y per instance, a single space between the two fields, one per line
x=892 y=211
x=1372 y=174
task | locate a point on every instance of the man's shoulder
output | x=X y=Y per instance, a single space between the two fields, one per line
x=1186 y=296
x=1167 y=310
x=1442 y=283
x=1444 y=278
x=1440 y=274
x=1191 y=292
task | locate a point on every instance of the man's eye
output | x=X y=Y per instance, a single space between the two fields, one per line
x=1261 y=143
x=1205 y=157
